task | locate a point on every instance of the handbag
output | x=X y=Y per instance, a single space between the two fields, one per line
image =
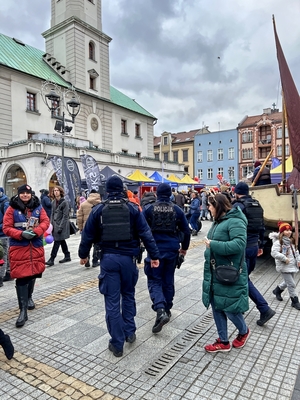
x=73 y=228
x=226 y=274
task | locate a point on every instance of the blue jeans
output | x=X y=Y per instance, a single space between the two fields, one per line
x=117 y=280
x=193 y=220
x=220 y=318
x=161 y=281
x=254 y=294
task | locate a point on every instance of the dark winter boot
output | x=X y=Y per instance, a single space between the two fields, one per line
x=277 y=291
x=31 y=304
x=161 y=319
x=1 y=281
x=22 y=293
x=50 y=262
x=295 y=303
x=66 y=259
x=7 y=345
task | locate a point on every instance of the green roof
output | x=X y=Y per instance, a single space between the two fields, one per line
x=27 y=59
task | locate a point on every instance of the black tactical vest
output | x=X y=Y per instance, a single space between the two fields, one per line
x=163 y=217
x=115 y=221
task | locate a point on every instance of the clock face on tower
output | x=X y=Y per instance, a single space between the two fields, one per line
x=94 y=124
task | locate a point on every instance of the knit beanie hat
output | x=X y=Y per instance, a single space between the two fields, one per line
x=284 y=226
x=114 y=184
x=1 y=189
x=242 y=188
x=257 y=163
x=24 y=188
x=163 y=190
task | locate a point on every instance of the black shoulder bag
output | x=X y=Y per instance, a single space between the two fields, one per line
x=226 y=274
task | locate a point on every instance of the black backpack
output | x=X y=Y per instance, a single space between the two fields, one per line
x=254 y=214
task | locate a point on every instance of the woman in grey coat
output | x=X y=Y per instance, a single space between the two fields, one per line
x=61 y=226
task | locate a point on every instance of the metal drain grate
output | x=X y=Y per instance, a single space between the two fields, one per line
x=180 y=347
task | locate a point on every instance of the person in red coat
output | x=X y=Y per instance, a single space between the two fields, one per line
x=25 y=223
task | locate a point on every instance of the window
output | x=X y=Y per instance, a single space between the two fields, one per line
x=185 y=155
x=231 y=153
x=264 y=134
x=279 y=133
x=200 y=174
x=124 y=151
x=246 y=171
x=91 y=51
x=166 y=156
x=31 y=102
x=279 y=151
x=220 y=154
x=137 y=130
x=92 y=83
x=209 y=173
x=165 y=140
x=247 y=154
x=156 y=156
x=56 y=112
x=138 y=155
x=231 y=173
x=209 y=155
x=175 y=156
x=263 y=152
x=124 y=126
x=247 y=137
x=286 y=132
x=287 y=149
x=199 y=156
x=221 y=171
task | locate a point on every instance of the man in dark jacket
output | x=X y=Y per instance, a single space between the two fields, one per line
x=254 y=248
x=172 y=235
x=117 y=225
x=265 y=175
x=4 y=266
x=46 y=202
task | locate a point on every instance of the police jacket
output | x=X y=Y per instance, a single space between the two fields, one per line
x=253 y=238
x=138 y=227
x=170 y=241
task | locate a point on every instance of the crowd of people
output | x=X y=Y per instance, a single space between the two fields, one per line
x=162 y=222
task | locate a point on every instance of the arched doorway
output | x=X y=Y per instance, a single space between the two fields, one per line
x=15 y=177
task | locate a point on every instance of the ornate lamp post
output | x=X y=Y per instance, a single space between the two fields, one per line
x=56 y=99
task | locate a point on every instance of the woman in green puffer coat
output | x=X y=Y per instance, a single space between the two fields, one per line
x=226 y=243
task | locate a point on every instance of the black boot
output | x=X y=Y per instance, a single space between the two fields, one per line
x=31 y=304
x=277 y=291
x=22 y=293
x=161 y=319
x=7 y=277
x=295 y=303
x=7 y=345
x=50 y=262
x=1 y=281
x=66 y=259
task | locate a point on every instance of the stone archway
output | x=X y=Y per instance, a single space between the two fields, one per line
x=14 y=177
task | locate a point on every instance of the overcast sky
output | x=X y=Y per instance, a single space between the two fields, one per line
x=188 y=62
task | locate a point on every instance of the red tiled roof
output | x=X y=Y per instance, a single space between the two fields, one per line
x=179 y=137
x=254 y=119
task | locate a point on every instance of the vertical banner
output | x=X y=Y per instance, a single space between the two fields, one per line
x=91 y=172
x=72 y=181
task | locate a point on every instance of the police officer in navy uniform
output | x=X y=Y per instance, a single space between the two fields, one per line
x=171 y=232
x=120 y=226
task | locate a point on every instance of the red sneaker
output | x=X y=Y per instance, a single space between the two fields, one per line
x=217 y=346
x=241 y=340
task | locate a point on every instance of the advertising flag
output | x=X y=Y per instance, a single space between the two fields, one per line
x=91 y=172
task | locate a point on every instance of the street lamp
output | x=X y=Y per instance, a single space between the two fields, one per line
x=56 y=100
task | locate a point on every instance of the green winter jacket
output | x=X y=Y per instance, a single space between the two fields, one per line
x=228 y=243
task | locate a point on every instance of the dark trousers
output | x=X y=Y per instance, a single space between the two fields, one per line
x=254 y=294
x=55 y=248
x=117 y=280
x=161 y=281
x=193 y=220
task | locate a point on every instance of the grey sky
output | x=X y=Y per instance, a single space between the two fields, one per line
x=188 y=62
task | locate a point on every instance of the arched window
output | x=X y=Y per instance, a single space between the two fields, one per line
x=91 y=51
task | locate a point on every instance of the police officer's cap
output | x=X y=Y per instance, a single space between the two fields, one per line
x=114 y=184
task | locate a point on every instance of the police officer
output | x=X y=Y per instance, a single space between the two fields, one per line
x=172 y=235
x=120 y=226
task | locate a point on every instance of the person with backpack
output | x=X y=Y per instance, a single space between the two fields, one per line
x=255 y=241
x=4 y=265
x=117 y=225
x=171 y=232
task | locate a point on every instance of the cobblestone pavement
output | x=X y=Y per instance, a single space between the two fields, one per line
x=61 y=352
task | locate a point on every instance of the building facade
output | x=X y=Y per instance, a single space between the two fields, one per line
x=257 y=135
x=111 y=127
x=216 y=153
